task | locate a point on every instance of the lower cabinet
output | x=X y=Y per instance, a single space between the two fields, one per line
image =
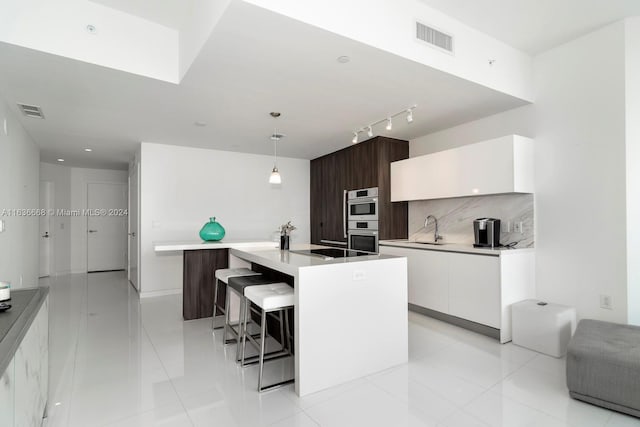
x=474 y=287
x=24 y=384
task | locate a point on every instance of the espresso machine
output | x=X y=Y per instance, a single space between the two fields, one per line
x=486 y=232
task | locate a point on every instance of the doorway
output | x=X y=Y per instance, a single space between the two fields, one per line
x=46 y=238
x=134 y=182
x=106 y=226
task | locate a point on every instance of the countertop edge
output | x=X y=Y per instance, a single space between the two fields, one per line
x=10 y=343
x=201 y=245
x=456 y=248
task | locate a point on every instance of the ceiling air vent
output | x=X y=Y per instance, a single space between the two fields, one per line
x=31 y=111
x=434 y=37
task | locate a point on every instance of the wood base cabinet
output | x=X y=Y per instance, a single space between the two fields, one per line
x=476 y=288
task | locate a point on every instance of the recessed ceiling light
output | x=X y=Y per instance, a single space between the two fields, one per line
x=275 y=114
x=88 y=150
x=61 y=160
x=92 y=29
x=343 y=59
x=200 y=124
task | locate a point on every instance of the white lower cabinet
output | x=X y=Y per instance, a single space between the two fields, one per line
x=474 y=287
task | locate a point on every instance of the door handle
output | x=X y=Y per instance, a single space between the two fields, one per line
x=46 y=235
x=344 y=213
x=93 y=231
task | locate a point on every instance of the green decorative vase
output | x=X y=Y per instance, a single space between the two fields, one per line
x=212 y=231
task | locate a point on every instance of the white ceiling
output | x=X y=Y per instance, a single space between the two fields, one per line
x=534 y=26
x=238 y=78
x=170 y=13
x=281 y=64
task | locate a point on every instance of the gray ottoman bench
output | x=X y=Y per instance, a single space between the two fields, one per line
x=603 y=365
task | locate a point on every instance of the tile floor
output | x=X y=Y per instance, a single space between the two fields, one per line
x=119 y=361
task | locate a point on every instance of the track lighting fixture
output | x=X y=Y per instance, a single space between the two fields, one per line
x=389 y=120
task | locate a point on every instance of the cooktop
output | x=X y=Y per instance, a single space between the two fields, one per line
x=330 y=253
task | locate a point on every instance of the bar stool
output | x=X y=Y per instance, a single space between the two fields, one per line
x=223 y=275
x=237 y=285
x=276 y=297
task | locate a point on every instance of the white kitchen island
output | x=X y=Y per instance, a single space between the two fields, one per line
x=350 y=313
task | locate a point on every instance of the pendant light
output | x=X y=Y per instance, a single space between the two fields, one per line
x=275 y=177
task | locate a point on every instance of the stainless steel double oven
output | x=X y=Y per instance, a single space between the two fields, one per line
x=362 y=219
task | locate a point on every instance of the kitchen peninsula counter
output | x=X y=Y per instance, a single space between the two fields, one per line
x=350 y=313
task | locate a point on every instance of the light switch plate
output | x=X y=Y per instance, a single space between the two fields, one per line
x=1 y=225
x=4 y=127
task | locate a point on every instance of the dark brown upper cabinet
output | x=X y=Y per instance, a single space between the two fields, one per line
x=362 y=165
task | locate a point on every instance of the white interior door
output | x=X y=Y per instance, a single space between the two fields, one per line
x=133 y=227
x=106 y=226
x=46 y=203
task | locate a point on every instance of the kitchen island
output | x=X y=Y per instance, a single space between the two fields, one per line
x=350 y=313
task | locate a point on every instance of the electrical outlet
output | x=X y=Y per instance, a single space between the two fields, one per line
x=359 y=275
x=2 y=228
x=605 y=302
x=4 y=126
x=517 y=227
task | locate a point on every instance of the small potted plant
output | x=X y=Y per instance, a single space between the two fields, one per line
x=285 y=231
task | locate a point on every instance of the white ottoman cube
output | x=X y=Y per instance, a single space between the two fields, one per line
x=543 y=327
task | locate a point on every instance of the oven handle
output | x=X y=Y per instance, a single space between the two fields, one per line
x=344 y=213
x=333 y=242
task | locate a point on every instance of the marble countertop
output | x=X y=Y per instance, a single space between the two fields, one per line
x=290 y=262
x=15 y=322
x=454 y=247
x=191 y=245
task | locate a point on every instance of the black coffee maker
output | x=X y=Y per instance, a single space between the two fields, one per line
x=486 y=232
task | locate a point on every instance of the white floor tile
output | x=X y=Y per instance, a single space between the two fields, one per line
x=167 y=416
x=241 y=408
x=119 y=361
x=548 y=393
x=298 y=420
x=621 y=420
x=462 y=419
x=499 y=411
x=366 y=405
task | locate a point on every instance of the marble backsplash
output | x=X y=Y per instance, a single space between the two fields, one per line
x=455 y=218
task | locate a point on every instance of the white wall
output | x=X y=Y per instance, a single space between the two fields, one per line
x=633 y=171
x=19 y=189
x=578 y=123
x=182 y=187
x=70 y=192
x=390 y=26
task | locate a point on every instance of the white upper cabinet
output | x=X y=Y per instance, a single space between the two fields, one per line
x=496 y=166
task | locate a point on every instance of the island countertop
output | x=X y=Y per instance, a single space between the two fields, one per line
x=290 y=262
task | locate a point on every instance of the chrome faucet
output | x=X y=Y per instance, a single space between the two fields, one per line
x=436 y=236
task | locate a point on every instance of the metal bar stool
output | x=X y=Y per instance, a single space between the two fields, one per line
x=237 y=285
x=276 y=297
x=222 y=276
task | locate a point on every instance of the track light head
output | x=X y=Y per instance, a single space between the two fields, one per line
x=355 y=138
x=389 y=124
x=410 y=115
x=370 y=131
